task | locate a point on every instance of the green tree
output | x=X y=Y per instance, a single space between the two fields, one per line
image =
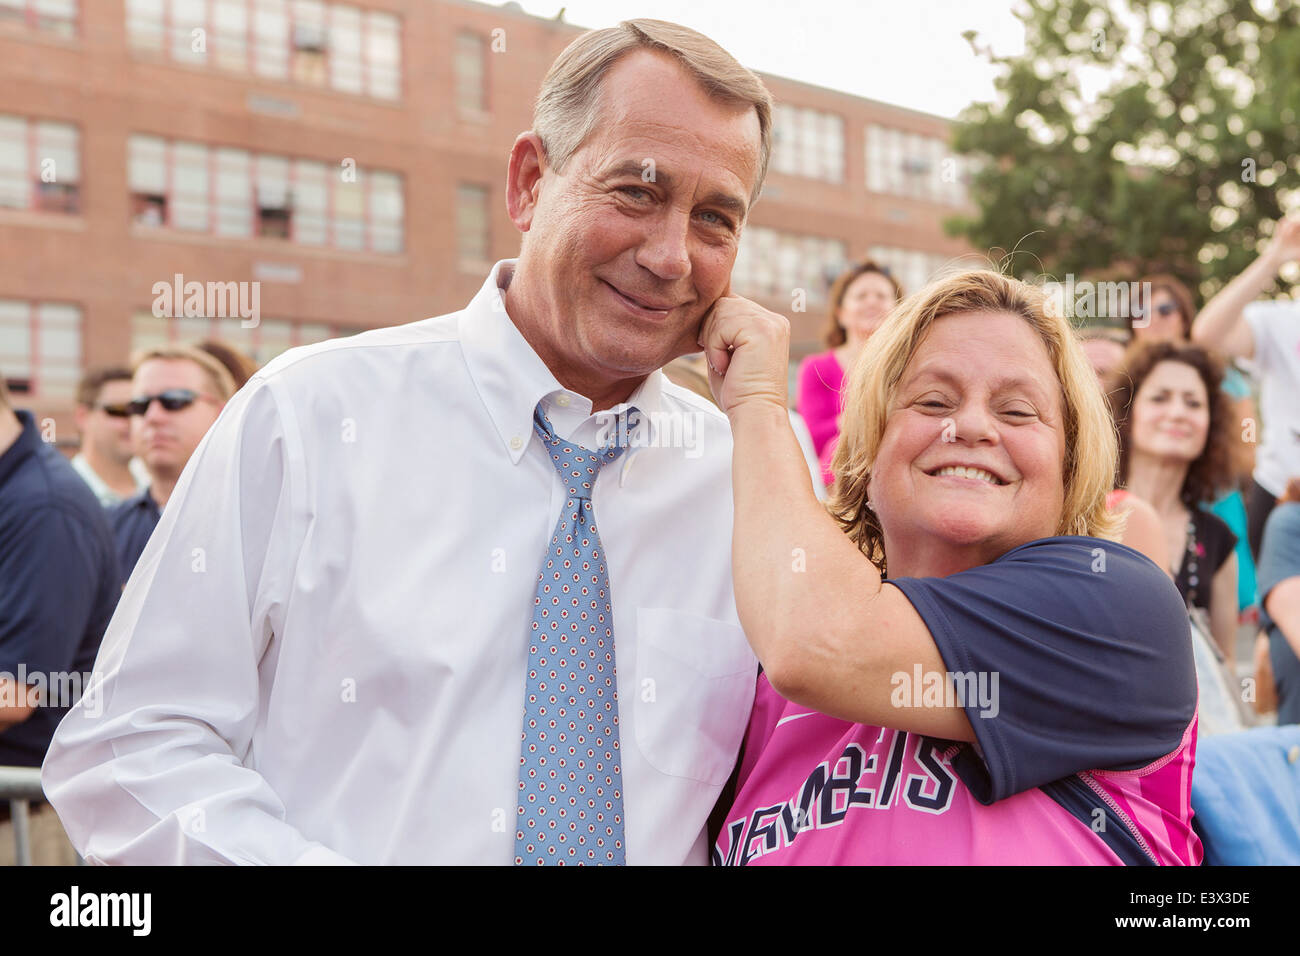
x=1135 y=137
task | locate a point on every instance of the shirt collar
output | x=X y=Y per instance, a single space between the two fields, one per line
x=511 y=378
x=142 y=501
x=23 y=447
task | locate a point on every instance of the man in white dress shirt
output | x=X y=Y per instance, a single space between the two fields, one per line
x=322 y=655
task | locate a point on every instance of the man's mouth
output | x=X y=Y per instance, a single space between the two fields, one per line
x=647 y=305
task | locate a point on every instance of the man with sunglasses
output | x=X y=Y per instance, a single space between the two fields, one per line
x=106 y=461
x=176 y=394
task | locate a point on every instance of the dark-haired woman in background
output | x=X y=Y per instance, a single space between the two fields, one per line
x=1175 y=453
x=1168 y=317
x=860 y=299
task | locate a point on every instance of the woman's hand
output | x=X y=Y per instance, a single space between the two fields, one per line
x=1285 y=244
x=748 y=351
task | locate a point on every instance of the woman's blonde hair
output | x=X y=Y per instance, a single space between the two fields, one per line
x=1090 y=442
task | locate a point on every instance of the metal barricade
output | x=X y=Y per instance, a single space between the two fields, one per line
x=20 y=786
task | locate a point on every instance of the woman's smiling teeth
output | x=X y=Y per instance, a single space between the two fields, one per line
x=959 y=471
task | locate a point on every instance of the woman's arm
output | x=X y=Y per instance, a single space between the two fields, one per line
x=830 y=636
x=1223 y=609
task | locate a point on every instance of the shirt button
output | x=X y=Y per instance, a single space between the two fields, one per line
x=563 y=401
x=516 y=443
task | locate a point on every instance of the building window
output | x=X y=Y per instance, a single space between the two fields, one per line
x=915 y=166
x=230 y=34
x=383 y=56
x=231 y=192
x=470 y=64
x=147 y=179
x=387 y=212
x=40 y=348
x=345 y=49
x=349 y=213
x=311 y=203
x=309 y=46
x=775 y=264
x=145 y=24
x=808 y=142
x=234 y=193
x=40 y=165
x=49 y=16
x=274 y=205
x=271 y=39
x=912 y=267
x=189 y=193
x=473 y=233
x=311 y=42
x=188 y=22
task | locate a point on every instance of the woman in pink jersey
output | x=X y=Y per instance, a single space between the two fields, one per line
x=960 y=664
x=860 y=299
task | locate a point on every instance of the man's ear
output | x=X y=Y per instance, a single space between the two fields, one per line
x=524 y=179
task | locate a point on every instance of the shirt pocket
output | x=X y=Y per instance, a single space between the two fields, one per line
x=695 y=679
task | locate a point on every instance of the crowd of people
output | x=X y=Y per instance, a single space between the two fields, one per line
x=944 y=610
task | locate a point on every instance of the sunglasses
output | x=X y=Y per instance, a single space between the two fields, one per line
x=173 y=400
x=119 y=410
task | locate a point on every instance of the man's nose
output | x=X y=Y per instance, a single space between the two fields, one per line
x=664 y=251
x=155 y=413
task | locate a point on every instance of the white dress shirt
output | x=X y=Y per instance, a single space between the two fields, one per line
x=321 y=654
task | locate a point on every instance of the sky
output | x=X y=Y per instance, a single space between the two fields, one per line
x=908 y=53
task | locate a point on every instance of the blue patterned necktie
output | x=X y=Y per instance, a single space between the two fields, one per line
x=570 y=771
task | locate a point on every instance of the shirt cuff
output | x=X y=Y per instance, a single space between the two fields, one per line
x=322 y=856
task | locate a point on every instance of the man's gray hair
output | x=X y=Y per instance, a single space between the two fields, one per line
x=566 y=113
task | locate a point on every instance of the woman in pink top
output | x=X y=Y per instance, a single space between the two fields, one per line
x=860 y=299
x=1021 y=688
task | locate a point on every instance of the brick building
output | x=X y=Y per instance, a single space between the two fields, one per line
x=349 y=159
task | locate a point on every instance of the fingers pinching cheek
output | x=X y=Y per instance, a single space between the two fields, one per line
x=716 y=352
x=718 y=359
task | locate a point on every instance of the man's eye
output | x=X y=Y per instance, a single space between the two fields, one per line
x=716 y=219
x=635 y=192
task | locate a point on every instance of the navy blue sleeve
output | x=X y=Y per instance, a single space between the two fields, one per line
x=50 y=588
x=1088 y=643
x=1279 y=552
